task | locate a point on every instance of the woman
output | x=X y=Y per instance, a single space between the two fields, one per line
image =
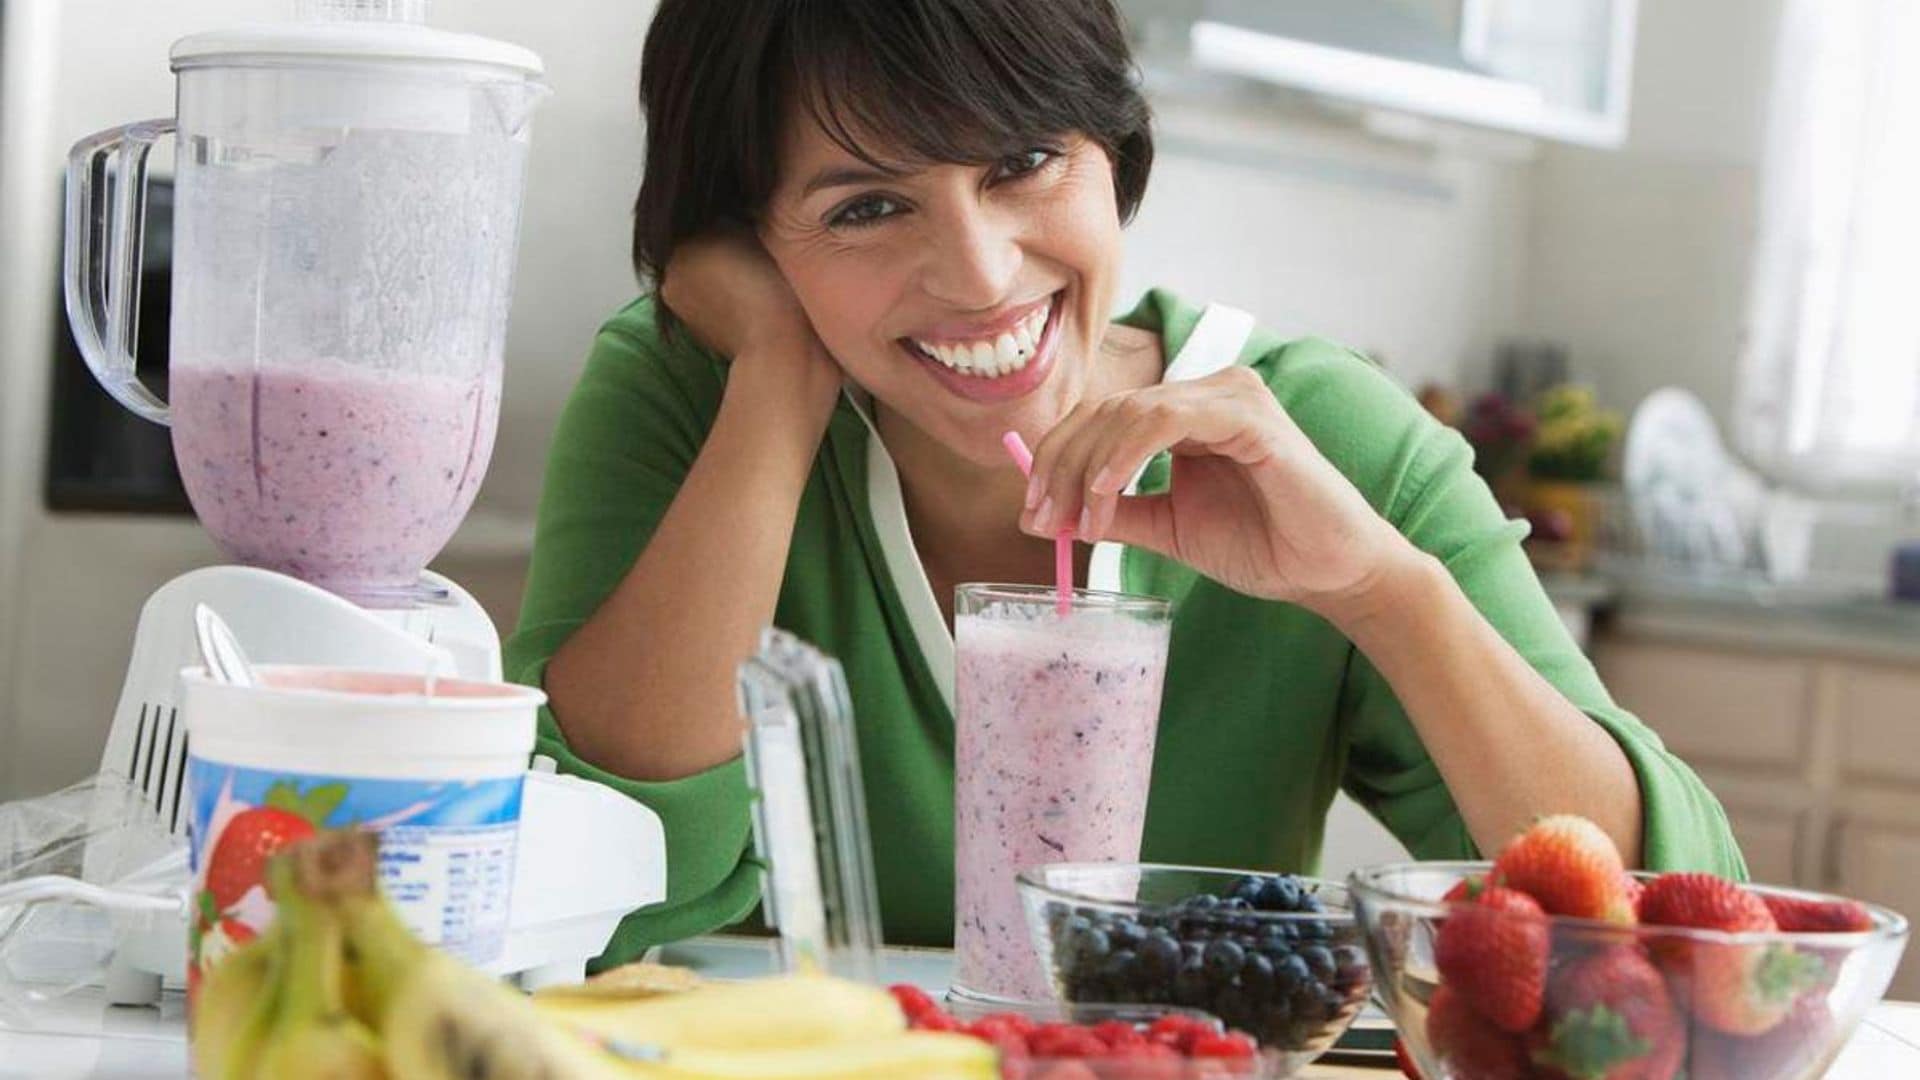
x=920 y=201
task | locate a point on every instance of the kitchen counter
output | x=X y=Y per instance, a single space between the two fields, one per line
x=81 y=1037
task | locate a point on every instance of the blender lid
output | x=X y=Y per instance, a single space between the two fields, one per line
x=401 y=42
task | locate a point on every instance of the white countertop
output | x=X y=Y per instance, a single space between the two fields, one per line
x=79 y=1037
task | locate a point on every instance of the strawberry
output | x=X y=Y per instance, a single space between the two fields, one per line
x=1609 y=1018
x=1798 y=915
x=1570 y=866
x=1787 y=1050
x=240 y=856
x=1468 y=1045
x=1465 y=889
x=1737 y=989
x=1493 y=952
x=1636 y=890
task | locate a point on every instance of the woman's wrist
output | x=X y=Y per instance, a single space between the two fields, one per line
x=1401 y=589
x=786 y=390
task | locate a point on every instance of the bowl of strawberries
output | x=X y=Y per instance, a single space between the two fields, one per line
x=1555 y=962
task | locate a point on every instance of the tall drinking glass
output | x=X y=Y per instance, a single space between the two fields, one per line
x=1055 y=724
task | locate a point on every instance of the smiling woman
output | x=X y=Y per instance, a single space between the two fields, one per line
x=883 y=233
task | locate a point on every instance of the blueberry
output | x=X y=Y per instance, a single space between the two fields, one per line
x=1232 y=1005
x=1319 y=960
x=1118 y=968
x=1126 y=934
x=1223 y=960
x=1071 y=927
x=1292 y=973
x=1315 y=930
x=1350 y=964
x=1190 y=986
x=1280 y=893
x=1307 y=1004
x=1202 y=902
x=1249 y=886
x=1090 y=948
x=1191 y=951
x=1311 y=902
x=1159 y=955
x=1257 y=975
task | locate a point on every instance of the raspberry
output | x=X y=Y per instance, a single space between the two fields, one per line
x=912 y=1000
x=1233 y=1045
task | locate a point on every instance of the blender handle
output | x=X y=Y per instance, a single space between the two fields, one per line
x=106 y=212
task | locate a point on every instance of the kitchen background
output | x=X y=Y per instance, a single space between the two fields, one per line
x=1425 y=218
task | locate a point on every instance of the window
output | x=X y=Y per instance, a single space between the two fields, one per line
x=1830 y=379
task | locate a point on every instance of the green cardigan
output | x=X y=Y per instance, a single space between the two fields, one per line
x=1268 y=711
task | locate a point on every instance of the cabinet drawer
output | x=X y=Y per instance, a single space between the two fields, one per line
x=1879 y=715
x=1882 y=864
x=1713 y=705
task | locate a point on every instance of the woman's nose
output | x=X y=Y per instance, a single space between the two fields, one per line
x=973 y=260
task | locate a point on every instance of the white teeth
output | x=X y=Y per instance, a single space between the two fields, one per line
x=983 y=359
x=1002 y=355
x=1007 y=354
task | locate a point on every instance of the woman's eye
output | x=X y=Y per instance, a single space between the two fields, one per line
x=865 y=210
x=1030 y=160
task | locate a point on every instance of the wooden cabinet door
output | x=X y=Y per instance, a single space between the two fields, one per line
x=1881 y=863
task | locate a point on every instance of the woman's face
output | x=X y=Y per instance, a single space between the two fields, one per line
x=968 y=299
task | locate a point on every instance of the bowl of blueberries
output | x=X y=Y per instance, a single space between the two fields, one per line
x=1277 y=956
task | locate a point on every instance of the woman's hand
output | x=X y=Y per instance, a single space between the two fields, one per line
x=1253 y=504
x=730 y=295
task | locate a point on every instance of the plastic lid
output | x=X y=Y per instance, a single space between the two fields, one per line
x=389 y=30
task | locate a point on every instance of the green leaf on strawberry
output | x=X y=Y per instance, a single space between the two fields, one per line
x=1591 y=1043
x=316 y=805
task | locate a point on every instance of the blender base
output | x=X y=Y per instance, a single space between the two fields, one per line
x=567 y=897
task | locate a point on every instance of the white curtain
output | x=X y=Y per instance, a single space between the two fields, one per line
x=1830 y=376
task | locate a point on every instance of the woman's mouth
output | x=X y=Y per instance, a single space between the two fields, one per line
x=996 y=366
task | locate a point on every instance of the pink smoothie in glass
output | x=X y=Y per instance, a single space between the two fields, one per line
x=1054 y=751
x=348 y=477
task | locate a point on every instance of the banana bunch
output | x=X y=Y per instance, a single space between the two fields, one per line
x=339 y=989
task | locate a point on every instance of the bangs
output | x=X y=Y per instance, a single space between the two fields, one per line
x=902 y=84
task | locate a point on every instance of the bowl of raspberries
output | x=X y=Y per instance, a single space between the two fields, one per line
x=1275 y=956
x=1555 y=962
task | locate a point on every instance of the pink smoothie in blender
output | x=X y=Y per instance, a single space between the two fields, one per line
x=350 y=477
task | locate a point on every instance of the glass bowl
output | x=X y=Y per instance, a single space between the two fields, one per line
x=1638 y=994
x=1130 y=933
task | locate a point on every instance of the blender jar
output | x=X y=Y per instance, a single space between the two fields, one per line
x=347 y=205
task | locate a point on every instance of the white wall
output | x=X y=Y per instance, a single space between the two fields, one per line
x=1638 y=258
x=1413 y=254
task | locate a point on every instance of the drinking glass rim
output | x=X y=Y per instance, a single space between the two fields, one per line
x=1104 y=600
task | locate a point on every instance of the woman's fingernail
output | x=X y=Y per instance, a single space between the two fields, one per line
x=1033 y=492
x=1103 y=482
x=1085 y=521
x=1043 y=516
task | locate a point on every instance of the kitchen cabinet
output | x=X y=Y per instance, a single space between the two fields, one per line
x=1813 y=749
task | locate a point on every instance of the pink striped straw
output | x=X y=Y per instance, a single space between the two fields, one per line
x=1062 y=540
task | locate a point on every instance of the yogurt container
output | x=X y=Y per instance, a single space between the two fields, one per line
x=435 y=767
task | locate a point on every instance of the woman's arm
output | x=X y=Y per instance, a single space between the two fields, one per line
x=1509 y=745
x=1255 y=505
x=645 y=688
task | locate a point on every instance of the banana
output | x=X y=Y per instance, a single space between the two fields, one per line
x=436 y=1017
x=922 y=1055
x=764 y=1014
x=313 y=1035
x=225 y=1031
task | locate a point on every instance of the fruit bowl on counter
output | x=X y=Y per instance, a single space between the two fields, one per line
x=1553 y=962
x=1277 y=957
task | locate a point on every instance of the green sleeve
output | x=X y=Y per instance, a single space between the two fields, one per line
x=1419 y=474
x=625 y=441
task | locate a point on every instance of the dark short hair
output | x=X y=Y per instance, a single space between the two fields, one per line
x=951 y=81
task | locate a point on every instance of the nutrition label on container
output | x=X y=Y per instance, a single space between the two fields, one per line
x=446 y=849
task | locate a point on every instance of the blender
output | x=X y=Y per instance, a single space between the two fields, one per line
x=347 y=204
